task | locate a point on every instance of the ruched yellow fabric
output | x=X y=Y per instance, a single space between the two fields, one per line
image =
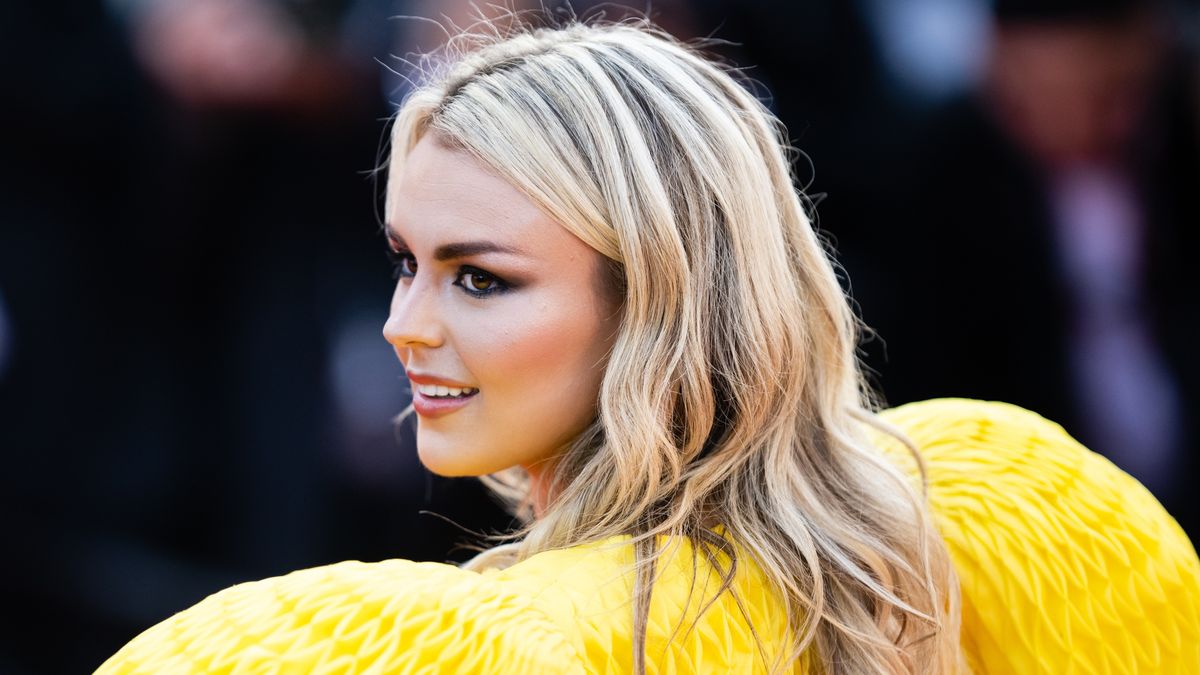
x=1067 y=565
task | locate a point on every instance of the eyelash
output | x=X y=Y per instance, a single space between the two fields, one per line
x=402 y=260
x=399 y=260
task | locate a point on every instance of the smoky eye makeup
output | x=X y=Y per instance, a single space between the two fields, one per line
x=480 y=283
x=474 y=281
x=404 y=263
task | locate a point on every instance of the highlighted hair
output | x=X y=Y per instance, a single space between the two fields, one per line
x=732 y=396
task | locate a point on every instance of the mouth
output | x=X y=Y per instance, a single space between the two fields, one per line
x=431 y=400
x=438 y=391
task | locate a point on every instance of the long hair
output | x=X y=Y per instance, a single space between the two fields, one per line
x=732 y=396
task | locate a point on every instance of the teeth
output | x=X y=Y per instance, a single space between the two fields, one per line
x=444 y=392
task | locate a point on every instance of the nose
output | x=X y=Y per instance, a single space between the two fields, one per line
x=414 y=318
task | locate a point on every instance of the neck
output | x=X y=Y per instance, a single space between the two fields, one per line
x=541 y=475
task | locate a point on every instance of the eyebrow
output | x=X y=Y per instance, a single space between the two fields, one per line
x=461 y=249
x=464 y=249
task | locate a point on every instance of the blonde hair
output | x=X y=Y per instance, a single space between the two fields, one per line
x=732 y=395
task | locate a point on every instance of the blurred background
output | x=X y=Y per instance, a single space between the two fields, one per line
x=193 y=386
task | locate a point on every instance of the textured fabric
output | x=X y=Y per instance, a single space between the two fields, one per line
x=1067 y=565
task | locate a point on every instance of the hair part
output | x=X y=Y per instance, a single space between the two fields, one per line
x=732 y=401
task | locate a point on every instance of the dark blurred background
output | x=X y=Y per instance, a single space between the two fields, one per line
x=193 y=387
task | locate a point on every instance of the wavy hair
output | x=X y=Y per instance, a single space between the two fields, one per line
x=732 y=396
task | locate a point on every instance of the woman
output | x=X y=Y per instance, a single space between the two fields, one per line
x=610 y=300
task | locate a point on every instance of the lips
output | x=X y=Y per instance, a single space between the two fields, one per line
x=436 y=406
x=437 y=390
x=436 y=396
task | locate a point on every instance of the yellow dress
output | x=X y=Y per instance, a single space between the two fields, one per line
x=1067 y=565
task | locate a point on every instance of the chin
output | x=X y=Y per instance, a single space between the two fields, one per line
x=449 y=460
x=442 y=463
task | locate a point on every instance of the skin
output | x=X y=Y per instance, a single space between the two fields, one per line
x=535 y=345
x=1073 y=93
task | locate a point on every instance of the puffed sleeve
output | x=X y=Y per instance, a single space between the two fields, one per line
x=389 y=617
x=1067 y=564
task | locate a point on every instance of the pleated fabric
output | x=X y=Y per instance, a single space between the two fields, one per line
x=1067 y=565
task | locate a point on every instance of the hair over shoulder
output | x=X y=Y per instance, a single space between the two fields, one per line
x=733 y=401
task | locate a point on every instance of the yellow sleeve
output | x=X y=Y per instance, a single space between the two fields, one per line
x=1067 y=564
x=390 y=617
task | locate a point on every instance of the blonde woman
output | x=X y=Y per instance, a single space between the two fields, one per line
x=611 y=302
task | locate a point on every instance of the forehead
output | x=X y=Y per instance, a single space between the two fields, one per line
x=442 y=192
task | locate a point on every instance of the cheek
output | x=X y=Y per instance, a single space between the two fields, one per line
x=540 y=369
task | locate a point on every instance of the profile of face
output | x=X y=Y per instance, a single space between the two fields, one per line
x=500 y=315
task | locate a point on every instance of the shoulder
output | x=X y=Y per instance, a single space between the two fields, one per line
x=391 y=616
x=691 y=626
x=561 y=611
x=992 y=456
x=950 y=424
x=1064 y=560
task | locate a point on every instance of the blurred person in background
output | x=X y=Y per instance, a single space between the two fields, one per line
x=1037 y=245
x=193 y=391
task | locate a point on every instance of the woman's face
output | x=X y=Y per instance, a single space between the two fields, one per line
x=500 y=316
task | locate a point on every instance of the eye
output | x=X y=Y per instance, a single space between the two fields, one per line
x=479 y=283
x=404 y=264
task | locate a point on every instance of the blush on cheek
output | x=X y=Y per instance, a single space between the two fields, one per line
x=539 y=374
